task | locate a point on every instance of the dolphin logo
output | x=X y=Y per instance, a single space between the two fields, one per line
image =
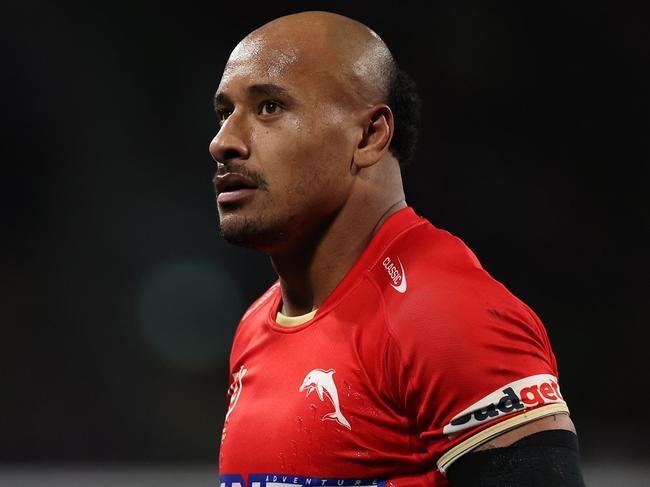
x=321 y=381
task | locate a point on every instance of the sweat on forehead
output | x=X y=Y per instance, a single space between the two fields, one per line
x=257 y=53
x=317 y=42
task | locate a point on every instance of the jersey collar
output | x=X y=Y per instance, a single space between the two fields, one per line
x=394 y=226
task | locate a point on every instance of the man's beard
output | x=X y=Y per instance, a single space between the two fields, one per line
x=250 y=232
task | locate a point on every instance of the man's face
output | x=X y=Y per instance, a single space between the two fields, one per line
x=285 y=145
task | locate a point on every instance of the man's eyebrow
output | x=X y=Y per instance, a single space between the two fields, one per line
x=268 y=89
x=264 y=89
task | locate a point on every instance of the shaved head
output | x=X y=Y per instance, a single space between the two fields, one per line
x=352 y=55
x=351 y=64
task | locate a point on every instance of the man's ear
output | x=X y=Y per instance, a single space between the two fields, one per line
x=377 y=134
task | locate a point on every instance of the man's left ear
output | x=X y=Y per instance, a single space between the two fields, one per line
x=377 y=134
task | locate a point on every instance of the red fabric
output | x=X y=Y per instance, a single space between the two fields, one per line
x=404 y=364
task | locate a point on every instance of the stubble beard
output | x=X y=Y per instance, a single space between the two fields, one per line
x=246 y=231
x=250 y=232
x=243 y=232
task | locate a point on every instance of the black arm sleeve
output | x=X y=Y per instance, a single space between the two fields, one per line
x=545 y=459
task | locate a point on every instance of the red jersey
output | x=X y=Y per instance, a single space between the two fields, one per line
x=416 y=357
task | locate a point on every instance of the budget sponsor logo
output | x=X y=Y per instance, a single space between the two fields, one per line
x=521 y=394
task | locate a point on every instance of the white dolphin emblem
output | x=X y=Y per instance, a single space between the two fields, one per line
x=321 y=381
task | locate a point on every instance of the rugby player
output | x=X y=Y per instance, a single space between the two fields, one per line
x=384 y=354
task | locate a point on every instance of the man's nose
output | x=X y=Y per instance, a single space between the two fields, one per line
x=228 y=144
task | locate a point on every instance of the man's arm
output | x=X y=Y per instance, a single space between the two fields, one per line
x=554 y=422
x=539 y=453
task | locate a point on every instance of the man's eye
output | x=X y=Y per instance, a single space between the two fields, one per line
x=270 y=108
x=222 y=115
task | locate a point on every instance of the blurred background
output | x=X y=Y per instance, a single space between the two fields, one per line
x=119 y=299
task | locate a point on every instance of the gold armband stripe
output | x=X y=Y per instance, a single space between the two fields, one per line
x=487 y=434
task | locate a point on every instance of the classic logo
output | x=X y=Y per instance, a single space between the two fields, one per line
x=322 y=382
x=396 y=275
x=528 y=392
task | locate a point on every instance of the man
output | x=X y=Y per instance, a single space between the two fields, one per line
x=384 y=353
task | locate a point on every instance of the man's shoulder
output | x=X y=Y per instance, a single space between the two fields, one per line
x=429 y=275
x=254 y=318
x=422 y=261
x=260 y=306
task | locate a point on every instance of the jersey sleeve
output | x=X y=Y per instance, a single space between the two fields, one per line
x=469 y=361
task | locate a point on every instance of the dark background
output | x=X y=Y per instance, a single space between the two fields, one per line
x=119 y=299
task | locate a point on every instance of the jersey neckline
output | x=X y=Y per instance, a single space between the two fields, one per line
x=285 y=320
x=399 y=222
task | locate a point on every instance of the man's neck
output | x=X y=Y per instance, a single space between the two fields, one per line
x=310 y=273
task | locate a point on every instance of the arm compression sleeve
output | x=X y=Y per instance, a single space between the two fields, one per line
x=544 y=459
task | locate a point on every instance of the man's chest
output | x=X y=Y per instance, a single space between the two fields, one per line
x=308 y=405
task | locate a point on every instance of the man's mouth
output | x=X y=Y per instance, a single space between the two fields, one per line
x=232 y=187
